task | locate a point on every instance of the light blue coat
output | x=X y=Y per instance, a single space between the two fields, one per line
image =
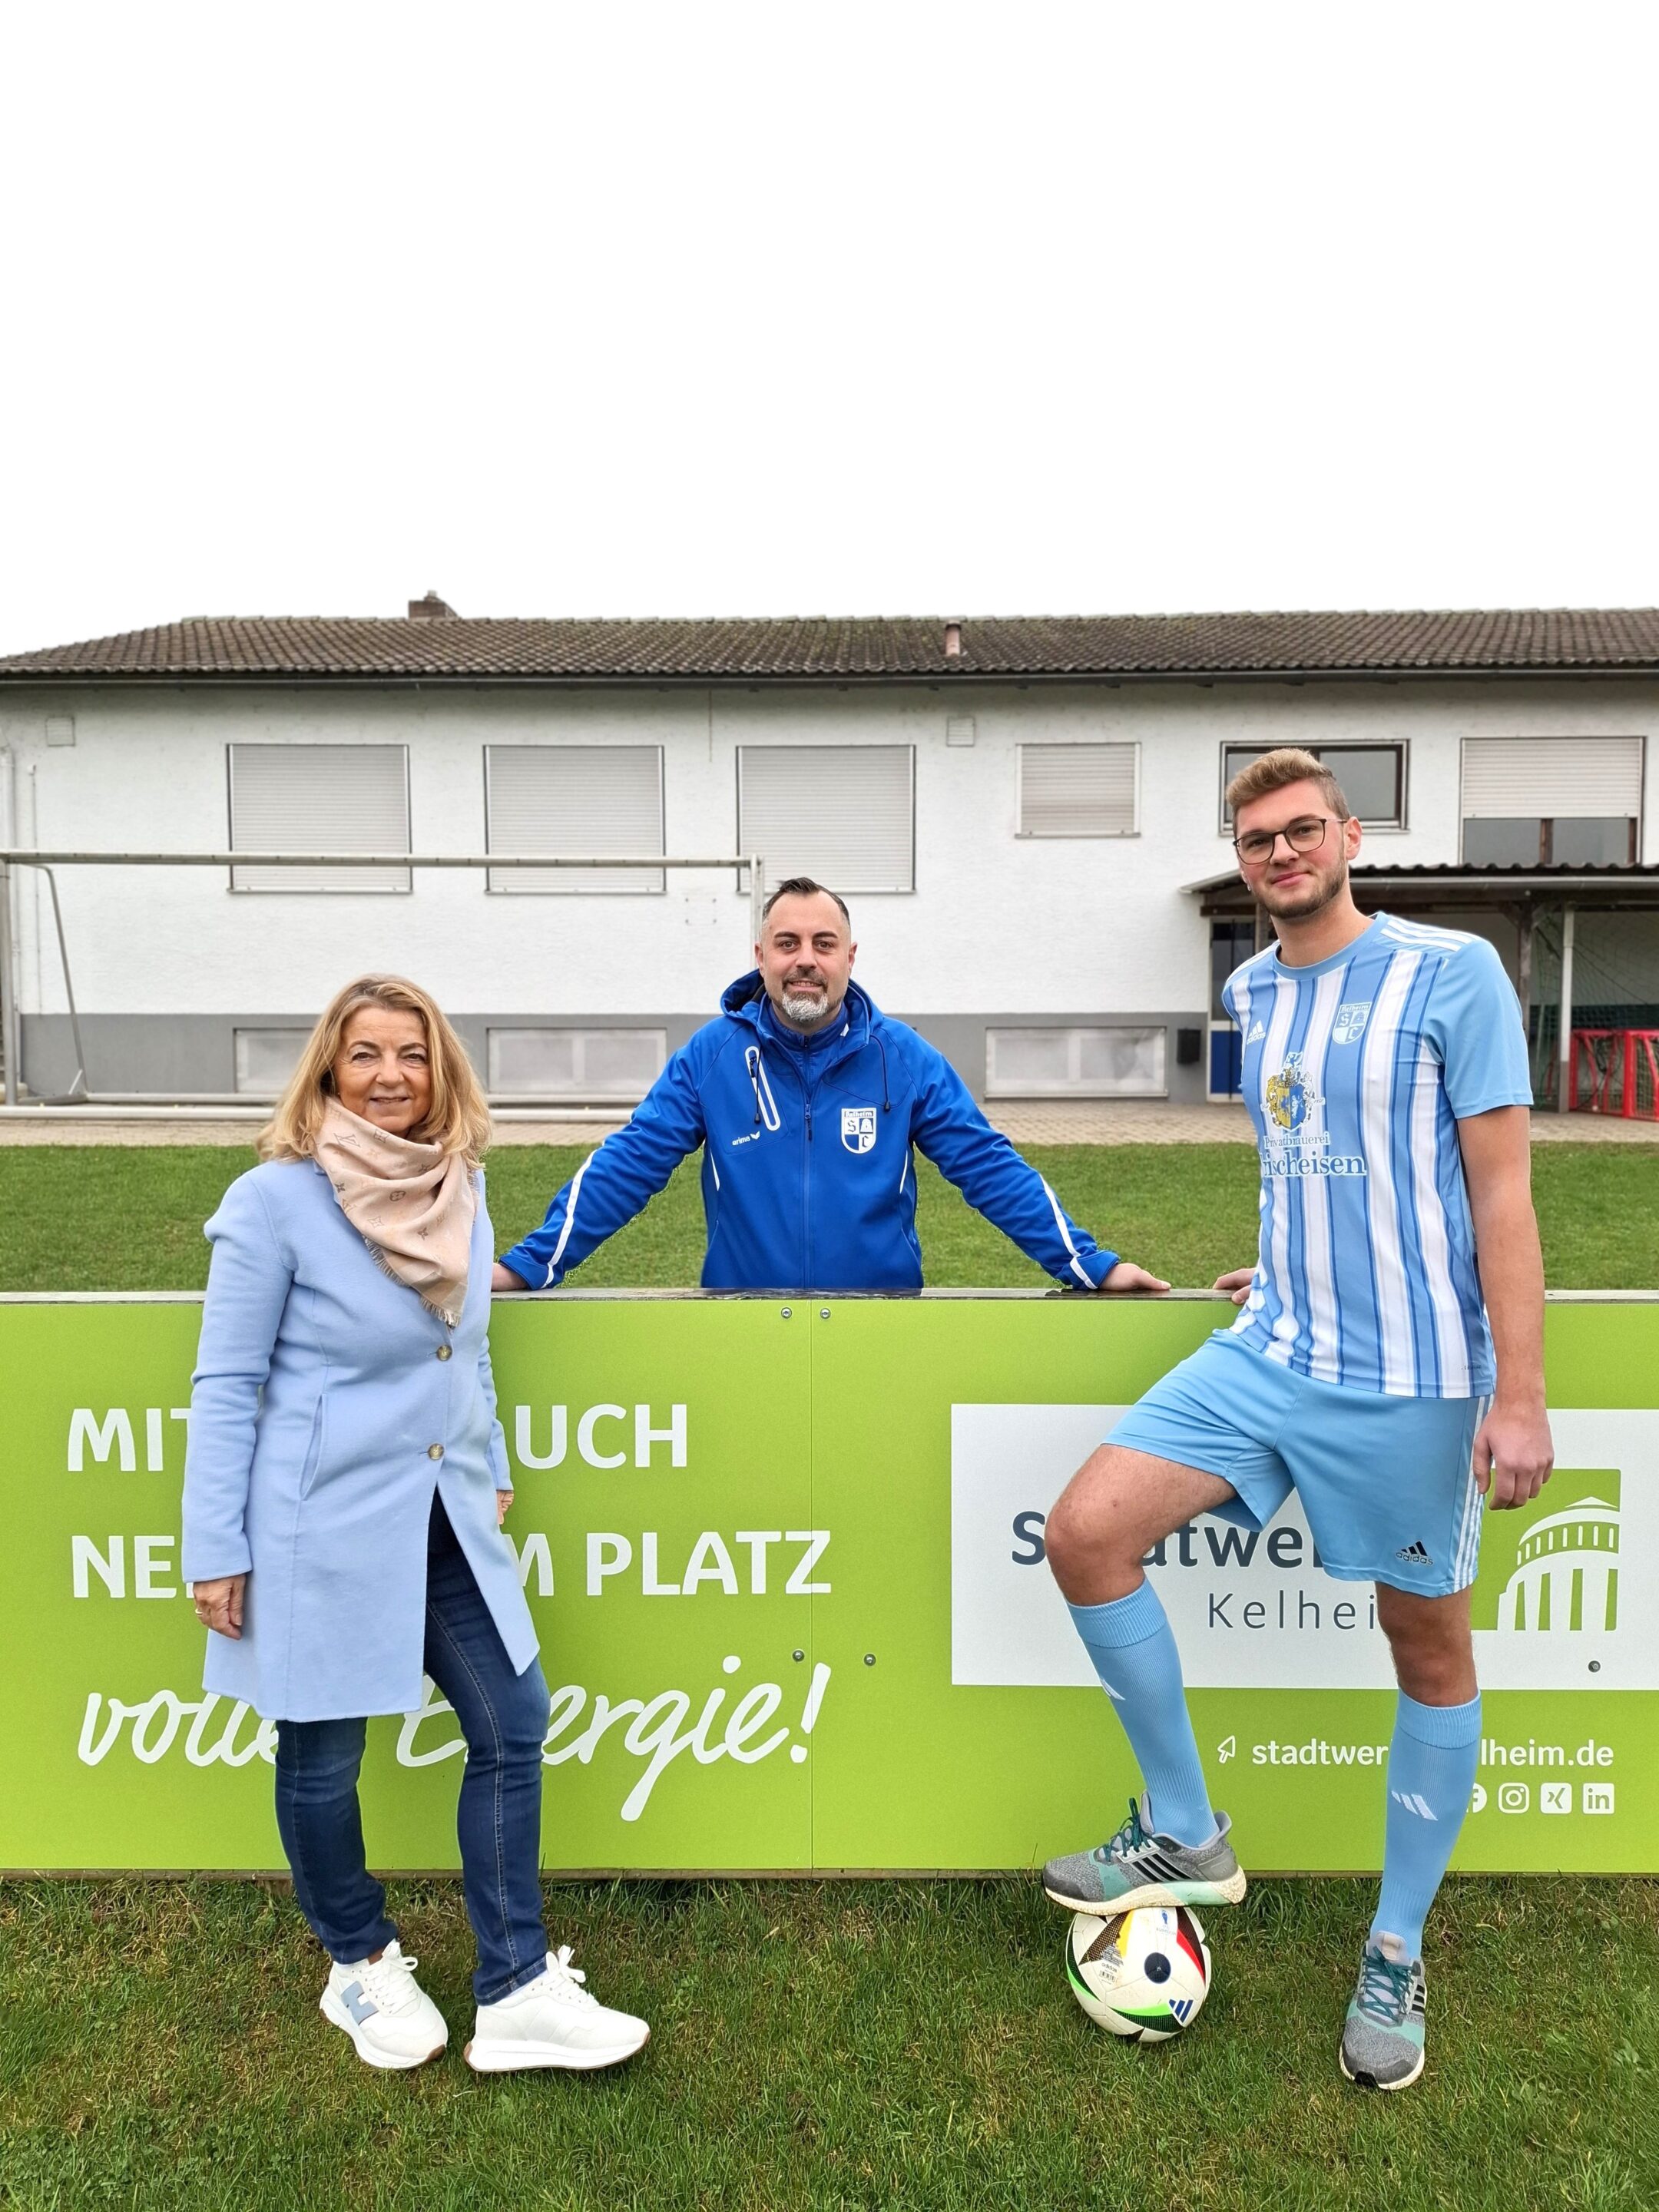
x=321 y=1386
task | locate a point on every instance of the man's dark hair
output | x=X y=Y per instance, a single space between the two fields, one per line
x=804 y=887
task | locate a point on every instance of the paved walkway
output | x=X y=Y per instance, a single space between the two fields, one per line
x=1093 y=1121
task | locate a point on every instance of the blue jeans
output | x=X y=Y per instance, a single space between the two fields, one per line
x=503 y=1717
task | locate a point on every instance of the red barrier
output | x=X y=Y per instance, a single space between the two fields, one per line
x=1615 y=1071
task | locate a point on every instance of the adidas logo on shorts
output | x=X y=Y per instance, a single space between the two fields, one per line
x=1415 y=1555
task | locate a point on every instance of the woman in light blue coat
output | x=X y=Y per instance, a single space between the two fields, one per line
x=344 y=1486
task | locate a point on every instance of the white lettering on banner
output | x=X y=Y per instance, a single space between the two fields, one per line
x=558 y=1437
x=815 y=1540
x=111 y=1568
x=645 y=1436
x=104 y=1437
x=650 y=1585
x=1251 y=1611
x=115 y=1433
x=534 y=1553
x=585 y=1428
x=149 y=1742
x=611 y=1553
x=146 y=1566
x=652 y=1728
x=606 y=1555
x=558 y=1433
x=759 y=1540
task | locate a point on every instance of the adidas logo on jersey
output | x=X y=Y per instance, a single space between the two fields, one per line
x=1256 y=1035
x=1415 y=1555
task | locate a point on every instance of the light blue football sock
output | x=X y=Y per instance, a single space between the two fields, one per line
x=1431 y=1768
x=1135 y=1655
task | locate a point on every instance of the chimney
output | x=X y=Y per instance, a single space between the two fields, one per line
x=952 y=639
x=429 y=608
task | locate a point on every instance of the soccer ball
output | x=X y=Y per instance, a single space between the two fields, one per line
x=1144 y=1975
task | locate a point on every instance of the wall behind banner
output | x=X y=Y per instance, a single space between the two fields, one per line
x=786 y=1559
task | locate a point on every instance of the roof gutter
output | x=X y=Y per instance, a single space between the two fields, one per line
x=831 y=679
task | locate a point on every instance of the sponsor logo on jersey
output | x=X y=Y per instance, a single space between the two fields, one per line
x=1290 y=1102
x=1297 y=1142
x=858 y=1128
x=1350 y=1023
x=1256 y=1034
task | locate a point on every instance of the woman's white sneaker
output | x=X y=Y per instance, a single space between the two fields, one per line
x=553 y=2021
x=385 y=2011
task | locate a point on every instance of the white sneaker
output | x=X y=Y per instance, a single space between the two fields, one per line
x=384 y=2009
x=552 y=2021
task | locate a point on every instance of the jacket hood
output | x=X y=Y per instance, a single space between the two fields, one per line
x=743 y=1000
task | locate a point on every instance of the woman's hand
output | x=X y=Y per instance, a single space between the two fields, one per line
x=1236 y=1285
x=219 y=1604
x=503 y=1499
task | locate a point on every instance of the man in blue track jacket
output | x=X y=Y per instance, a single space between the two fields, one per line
x=808 y=1100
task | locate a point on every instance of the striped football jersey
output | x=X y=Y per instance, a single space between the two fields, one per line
x=1356 y=1071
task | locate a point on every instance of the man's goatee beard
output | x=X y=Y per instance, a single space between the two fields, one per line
x=802 y=1010
x=1327 y=893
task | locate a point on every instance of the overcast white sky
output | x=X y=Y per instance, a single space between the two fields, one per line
x=768 y=309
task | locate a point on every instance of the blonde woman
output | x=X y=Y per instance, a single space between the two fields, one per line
x=344 y=1486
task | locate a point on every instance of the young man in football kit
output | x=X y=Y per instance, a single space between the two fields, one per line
x=1387 y=1365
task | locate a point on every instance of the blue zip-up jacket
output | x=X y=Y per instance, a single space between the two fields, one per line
x=808 y=1182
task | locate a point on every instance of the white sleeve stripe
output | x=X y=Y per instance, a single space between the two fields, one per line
x=1078 y=1267
x=570 y=1219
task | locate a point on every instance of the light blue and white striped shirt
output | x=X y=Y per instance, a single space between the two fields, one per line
x=1357 y=1071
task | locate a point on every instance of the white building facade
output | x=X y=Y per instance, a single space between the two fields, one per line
x=1019 y=844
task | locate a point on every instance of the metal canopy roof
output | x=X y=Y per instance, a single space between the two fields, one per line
x=1450 y=885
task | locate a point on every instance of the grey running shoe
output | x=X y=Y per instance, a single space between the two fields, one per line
x=1382 y=2036
x=1138 y=1868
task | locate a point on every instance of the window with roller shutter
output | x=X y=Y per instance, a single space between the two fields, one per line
x=575 y=799
x=1560 y=802
x=1084 y=790
x=318 y=799
x=844 y=815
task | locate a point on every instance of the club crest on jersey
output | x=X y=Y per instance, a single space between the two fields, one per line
x=858 y=1128
x=1350 y=1021
x=1290 y=1101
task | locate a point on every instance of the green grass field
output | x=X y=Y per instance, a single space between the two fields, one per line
x=111 y=1217
x=908 y=2044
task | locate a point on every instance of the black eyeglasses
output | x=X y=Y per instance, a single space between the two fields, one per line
x=1305 y=835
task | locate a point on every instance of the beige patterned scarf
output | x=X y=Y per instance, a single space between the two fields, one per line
x=411 y=1204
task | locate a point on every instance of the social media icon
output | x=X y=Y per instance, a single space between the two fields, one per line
x=1478 y=1798
x=1225 y=1749
x=1555 y=1797
x=1598 y=1796
x=1513 y=1796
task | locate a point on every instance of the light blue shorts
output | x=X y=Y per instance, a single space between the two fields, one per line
x=1387 y=1484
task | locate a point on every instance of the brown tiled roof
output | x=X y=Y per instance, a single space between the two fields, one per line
x=837 y=650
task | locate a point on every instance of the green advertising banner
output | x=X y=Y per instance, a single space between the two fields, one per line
x=786 y=1560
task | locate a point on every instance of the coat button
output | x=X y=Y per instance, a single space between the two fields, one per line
x=443 y=1350
x=435 y=1451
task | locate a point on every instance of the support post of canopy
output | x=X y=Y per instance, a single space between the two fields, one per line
x=1564 y=1042
x=9 y=1022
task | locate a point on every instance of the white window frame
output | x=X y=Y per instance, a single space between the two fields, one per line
x=846 y=890
x=404 y=890
x=516 y=882
x=1073 y=744
x=1400 y=746
x=1014 y=1087
x=596 y=1094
